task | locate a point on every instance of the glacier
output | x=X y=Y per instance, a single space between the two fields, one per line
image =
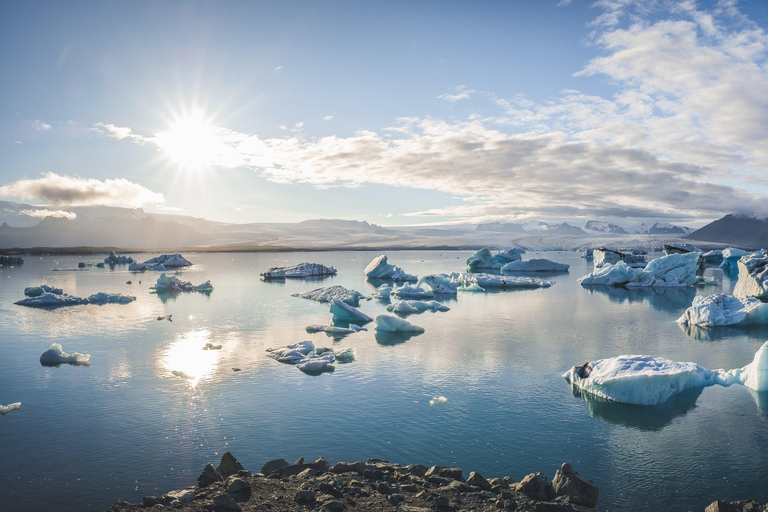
x=173 y=284
x=379 y=268
x=411 y=292
x=673 y=270
x=329 y=293
x=389 y=323
x=484 y=259
x=409 y=307
x=719 y=309
x=753 y=276
x=5 y=409
x=56 y=356
x=439 y=284
x=535 y=265
x=298 y=271
x=343 y=312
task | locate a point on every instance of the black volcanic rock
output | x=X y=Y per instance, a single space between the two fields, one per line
x=737 y=230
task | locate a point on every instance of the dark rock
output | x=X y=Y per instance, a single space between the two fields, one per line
x=238 y=488
x=274 y=465
x=722 y=506
x=568 y=482
x=457 y=486
x=506 y=495
x=477 y=480
x=438 y=480
x=307 y=473
x=225 y=503
x=384 y=488
x=305 y=496
x=441 y=501
x=346 y=467
x=409 y=488
x=151 y=501
x=368 y=475
x=396 y=499
x=423 y=495
x=510 y=504
x=454 y=473
x=229 y=466
x=536 y=486
x=244 y=474
x=372 y=460
x=554 y=507
x=300 y=461
x=433 y=471
x=321 y=465
x=208 y=476
x=333 y=506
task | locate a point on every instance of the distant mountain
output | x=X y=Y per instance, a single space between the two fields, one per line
x=340 y=225
x=501 y=227
x=662 y=228
x=598 y=226
x=737 y=230
x=560 y=229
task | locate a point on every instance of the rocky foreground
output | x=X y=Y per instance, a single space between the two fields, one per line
x=371 y=485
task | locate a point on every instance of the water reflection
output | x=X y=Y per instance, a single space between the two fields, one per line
x=761 y=399
x=394 y=338
x=541 y=275
x=720 y=333
x=187 y=356
x=641 y=417
x=662 y=299
x=167 y=295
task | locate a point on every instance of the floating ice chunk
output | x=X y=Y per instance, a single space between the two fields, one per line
x=36 y=291
x=472 y=288
x=298 y=271
x=672 y=270
x=292 y=353
x=51 y=300
x=343 y=312
x=616 y=274
x=408 y=307
x=383 y=291
x=731 y=256
x=535 y=265
x=114 y=259
x=414 y=292
x=109 y=298
x=389 y=323
x=173 y=284
x=605 y=256
x=183 y=375
x=485 y=260
x=5 y=409
x=641 y=380
x=753 y=276
x=379 y=268
x=346 y=356
x=329 y=293
x=718 y=309
x=714 y=257
x=465 y=279
x=438 y=283
x=755 y=374
x=141 y=267
x=55 y=356
x=332 y=329
x=319 y=363
x=438 y=400
x=681 y=249
x=160 y=263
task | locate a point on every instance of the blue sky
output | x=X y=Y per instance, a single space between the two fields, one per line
x=515 y=110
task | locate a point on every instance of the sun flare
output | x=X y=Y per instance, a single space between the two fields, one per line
x=191 y=141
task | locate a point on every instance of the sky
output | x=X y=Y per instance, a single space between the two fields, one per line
x=397 y=113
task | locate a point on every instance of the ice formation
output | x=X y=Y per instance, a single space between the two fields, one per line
x=681 y=249
x=329 y=293
x=114 y=259
x=408 y=307
x=343 y=312
x=602 y=256
x=55 y=356
x=173 y=284
x=438 y=400
x=292 y=353
x=160 y=263
x=55 y=298
x=753 y=276
x=485 y=260
x=472 y=288
x=389 y=323
x=411 y=292
x=109 y=298
x=36 y=291
x=379 y=268
x=334 y=329
x=5 y=409
x=383 y=291
x=297 y=271
x=438 y=283
x=465 y=280
x=714 y=257
x=346 y=356
x=718 y=309
x=673 y=270
x=731 y=256
x=755 y=374
x=309 y=359
x=535 y=265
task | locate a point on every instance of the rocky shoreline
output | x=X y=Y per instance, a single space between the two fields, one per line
x=372 y=485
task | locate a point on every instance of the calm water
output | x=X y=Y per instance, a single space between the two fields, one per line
x=125 y=427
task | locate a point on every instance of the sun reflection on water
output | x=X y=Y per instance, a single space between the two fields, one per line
x=186 y=356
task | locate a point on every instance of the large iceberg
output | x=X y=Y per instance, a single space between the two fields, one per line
x=36 y=291
x=114 y=259
x=329 y=293
x=484 y=259
x=5 y=409
x=603 y=256
x=438 y=283
x=535 y=265
x=379 y=268
x=343 y=312
x=173 y=284
x=409 y=307
x=755 y=374
x=731 y=256
x=389 y=323
x=718 y=309
x=297 y=271
x=56 y=298
x=56 y=356
x=466 y=280
x=411 y=292
x=672 y=270
x=292 y=353
x=753 y=276
x=161 y=263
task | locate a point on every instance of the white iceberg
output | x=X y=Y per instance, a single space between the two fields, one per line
x=605 y=256
x=114 y=259
x=51 y=300
x=485 y=260
x=109 y=298
x=173 y=284
x=55 y=356
x=438 y=400
x=298 y=271
x=379 y=268
x=472 y=288
x=755 y=374
x=535 y=265
x=408 y=307
x=343 y=312
x=718 y=310
x=466 y=280
x=319 y=362
x=292 y=353
x=389 y=323
x=309 y=359
x=383 y=291
x=161 y=263
x=753 y=276
x=36 y=291
x=334 y=329
x=329 y=293
x=675 y=270
x=731 y=256
x=413 y=292
x=346 y=356
x=714 y=257
x=5 y=409
x=438 y=283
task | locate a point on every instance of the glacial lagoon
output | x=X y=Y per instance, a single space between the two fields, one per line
x=126 y=426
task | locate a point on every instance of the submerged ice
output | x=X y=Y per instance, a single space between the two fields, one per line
x=379 y=268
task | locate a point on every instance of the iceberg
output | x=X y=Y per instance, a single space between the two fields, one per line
x=298 y=271
x=719 y=309
x=681 y=249
x=414 y=292
x=382 y=292
x=605 y=256
x=343 y=312
x=5 y=409
x=438 y=400
x=714 y=257
x=161 y=263
x=673 y=270
x=320 y=362
x=731 y=256
x=755 y=374
x=753 y=276
x=485 y=260
x=438 y=283
x=292 y=353
x=173 y=284
x=472 y=288
x=466 y=280
x=334 y=329
x=329 y=293
x=109 y=298
x=346 y=356
x=114 y=259
x=309 y=359
x=51 y=300
x=9 y=261
x=408 y=307
x=379 y=268
x=36 y=291
x=535 y=265
x=389 y=323
x=56 y=356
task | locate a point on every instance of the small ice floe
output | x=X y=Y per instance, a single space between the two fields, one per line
x=173 y=284
x=407 y=291
x=438 y=400
x=465 y=279
x=675 y=270
x=382 y=292
x=129 y=282
x=344 y=313
x=731 y=256
x=56 y=356
x=329 y=293
x=719 y=309
x=56 y=298
x=211 y=346
x=346 y=355
x=309 y=359
x=535 y=265
x=36 y=291
x=5 y=409
x=292 y=353
x=166 y=317
x=603 y=256
x=485 y=260
x=299 y=271
x=389 y=323
x=753 y=276
x=334 y=329
x=439 y=284
x=161 y=263
x=379 y=268
x=320 y=362
x=109 y=298
x=183 y=375
x=114 y=259
x=410 y=307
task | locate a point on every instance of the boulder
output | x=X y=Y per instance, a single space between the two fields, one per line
x=454 y=473
x=536 y=486
x=229 y=466
x=307 y=473
x=304 y=496
x=208 y=476
x=184 y=496
x=346 y=467
x=477 y=480
x=225 y=503
x=238 y=488
x=273 y=465
x=568 y=482
x=722 y=506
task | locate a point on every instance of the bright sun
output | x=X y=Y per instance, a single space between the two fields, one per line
x=191 y=141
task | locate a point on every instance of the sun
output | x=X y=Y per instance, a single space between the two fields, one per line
x=191 y=141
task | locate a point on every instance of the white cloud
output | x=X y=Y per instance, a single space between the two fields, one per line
x=327 y=118
x=278 y=68
x=66 y=190
x=43 y=213
x=117 y=132
x=459 y=93
x=41 y=126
